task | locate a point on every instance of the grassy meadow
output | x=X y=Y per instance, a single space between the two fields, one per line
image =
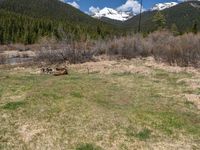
x=114 y=111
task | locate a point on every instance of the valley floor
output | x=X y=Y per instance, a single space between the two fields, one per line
x=111 y=105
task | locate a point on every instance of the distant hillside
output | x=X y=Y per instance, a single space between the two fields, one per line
x=52 y=9
x=182 y=15
x=112 y=21
x=63 y=21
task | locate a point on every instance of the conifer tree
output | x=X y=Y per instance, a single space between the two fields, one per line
x=174 y=29
x=159 y=20
x=195 y=28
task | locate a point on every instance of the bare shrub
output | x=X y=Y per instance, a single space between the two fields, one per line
x=2 y=59
x=68 y=53
x=191 y=49
x=100 y=47
x=128 y=47
x=181 y=50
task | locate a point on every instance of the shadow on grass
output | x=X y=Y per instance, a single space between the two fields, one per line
x=76 y=94
x=142 y=135
x=88 y=147
x=13 y=105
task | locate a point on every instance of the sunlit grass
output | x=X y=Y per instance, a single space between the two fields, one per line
x=111 y=111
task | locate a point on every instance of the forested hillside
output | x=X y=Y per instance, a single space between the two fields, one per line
x=52 y=9
x=184 y=16
x=26 y=21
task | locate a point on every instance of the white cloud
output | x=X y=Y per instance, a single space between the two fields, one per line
x=187 y=0
x=93 y=10
x=130 y=5
x=74 y=4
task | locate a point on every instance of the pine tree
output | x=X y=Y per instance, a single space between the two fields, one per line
x=195 y=28
x=159 y=20
x=174 y=29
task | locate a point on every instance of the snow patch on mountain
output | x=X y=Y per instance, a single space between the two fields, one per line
x=162 y=6
x=110 y=13
x=195 y=5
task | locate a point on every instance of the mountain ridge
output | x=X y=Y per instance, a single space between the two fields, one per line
x=182 y=15
x=114 y=14
x=162 y=6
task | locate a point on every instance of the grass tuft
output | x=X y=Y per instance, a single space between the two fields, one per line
x=144 y=134
x=76 y=94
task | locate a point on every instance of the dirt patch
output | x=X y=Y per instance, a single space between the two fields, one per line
x=195 y=99
x=29 y=131
x=110 y=67
x=182 y=145
x=17 y=97
x=143 y=66
x=150 y=62
x=15 y=53
x=192 y=83
x=27 y=70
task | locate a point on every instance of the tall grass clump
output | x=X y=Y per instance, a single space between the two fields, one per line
x=2 y=59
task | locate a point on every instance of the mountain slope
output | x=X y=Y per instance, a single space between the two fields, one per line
x=52 y=9
x=62 y=20
x=182 y=15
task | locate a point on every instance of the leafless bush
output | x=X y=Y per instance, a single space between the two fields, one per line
x=127 y=47
x=182 y=50
x=2 y=59
x=66 y=54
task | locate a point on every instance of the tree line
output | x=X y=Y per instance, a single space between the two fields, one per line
x=160 y=22
x=16 y=28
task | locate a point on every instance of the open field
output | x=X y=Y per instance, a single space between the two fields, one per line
x=111 y=105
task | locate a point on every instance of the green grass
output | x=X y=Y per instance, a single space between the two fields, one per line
x=13 y=105
x=113 y=111
x=88 y=147
x=144 y=134
x=76 y=94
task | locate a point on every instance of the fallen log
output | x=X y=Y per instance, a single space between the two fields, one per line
x=62 y=72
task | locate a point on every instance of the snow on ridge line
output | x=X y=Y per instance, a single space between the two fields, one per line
x=112 y=14
x=123 y=16
x=162 y=6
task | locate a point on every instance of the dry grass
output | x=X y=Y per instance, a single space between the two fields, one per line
x=122 y=109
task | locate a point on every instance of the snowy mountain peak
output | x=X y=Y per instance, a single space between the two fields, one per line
x=115 y=14
x=110 y=13
x=162 y=6
x=107 y=10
